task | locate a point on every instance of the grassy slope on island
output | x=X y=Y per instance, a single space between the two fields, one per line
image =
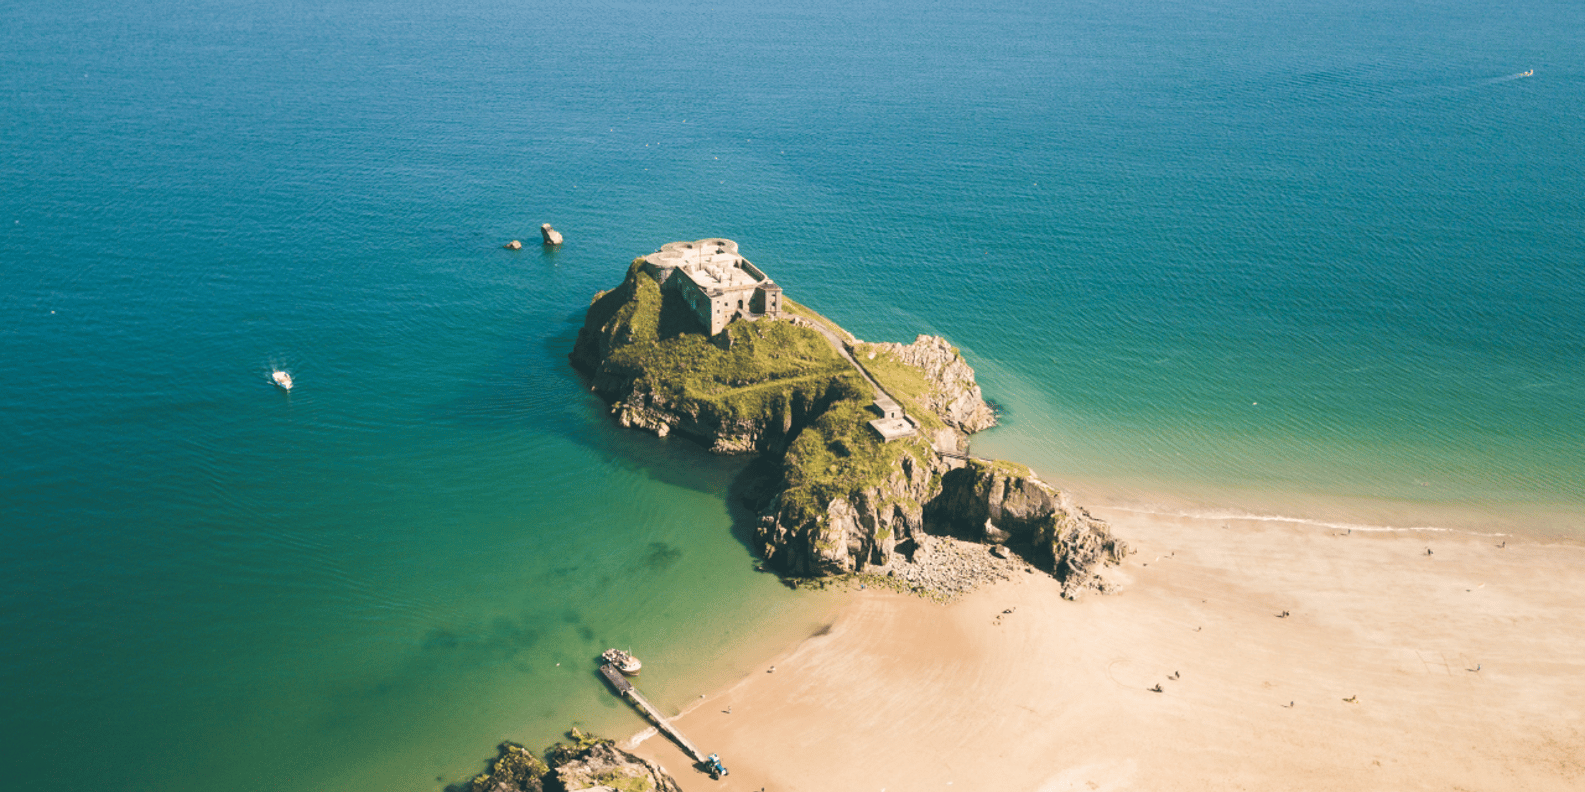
x=650 y=339
x=770 y=371
x=907 y=384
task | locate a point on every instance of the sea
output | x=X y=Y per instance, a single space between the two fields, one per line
x=1317 y=262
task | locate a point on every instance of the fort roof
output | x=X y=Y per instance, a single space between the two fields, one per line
x=710 y=263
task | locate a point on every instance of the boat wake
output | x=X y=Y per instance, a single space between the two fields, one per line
x=1508 y=77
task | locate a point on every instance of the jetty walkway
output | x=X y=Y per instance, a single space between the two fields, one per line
x=625 y=688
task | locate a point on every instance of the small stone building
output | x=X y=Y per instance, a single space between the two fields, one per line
x=717 y=284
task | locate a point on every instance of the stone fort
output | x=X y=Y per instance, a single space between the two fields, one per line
x=717 y=284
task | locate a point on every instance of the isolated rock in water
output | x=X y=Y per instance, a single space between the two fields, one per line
x=551 y=235
x=604 y=766
x=513 y=245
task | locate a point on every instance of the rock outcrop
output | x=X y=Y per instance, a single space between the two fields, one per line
x=864 y=528
x=954 y=395
x=513 y=245
x=604 y=766
x=844 y=501
x=587 y=763
x=551 y=236
x=1005 y=504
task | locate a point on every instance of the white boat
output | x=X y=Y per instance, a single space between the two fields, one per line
x=282 y=380
x=624 y=661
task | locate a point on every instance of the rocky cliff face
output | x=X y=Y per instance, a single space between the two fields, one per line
x=954 y=395
x=860 y=529
x=879 y=529
x=1005 y=504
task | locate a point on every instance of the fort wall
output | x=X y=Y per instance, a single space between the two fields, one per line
x=717 y=284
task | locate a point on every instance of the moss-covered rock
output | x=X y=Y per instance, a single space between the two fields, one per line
x=603 y=765
x=515 y=769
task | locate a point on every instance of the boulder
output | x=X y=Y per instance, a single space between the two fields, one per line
x=551 y=235
x=513 y=245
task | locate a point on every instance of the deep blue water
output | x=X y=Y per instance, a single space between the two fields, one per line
x=1318 y=258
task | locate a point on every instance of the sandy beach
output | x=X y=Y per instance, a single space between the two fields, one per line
x=1393 y=668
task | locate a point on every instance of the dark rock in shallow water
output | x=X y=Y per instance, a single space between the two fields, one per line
x=514 y=770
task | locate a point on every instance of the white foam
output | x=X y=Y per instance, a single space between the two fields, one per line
x=1280 y=518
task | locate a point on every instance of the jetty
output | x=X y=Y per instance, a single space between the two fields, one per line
x=625 y=688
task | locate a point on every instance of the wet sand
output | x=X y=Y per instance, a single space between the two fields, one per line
x=1369 y=682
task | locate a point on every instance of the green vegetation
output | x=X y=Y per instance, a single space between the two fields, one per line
x=624 y=782
x=839 y=454
x=752 y=371
x=804 y=311
x=905 y=383
x=564 y=752
x=1002 y=467
x=785 y=378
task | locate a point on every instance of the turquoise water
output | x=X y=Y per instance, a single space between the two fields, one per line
x=1321 y=260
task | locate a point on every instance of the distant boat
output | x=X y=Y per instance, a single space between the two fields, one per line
x=624 y=661
x=1529 y=73
x=282 y=380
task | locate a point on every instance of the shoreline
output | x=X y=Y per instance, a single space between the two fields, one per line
x=1535 y=521
x=1461 y=666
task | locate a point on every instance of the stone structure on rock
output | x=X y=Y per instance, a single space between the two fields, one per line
x=550 y=235
x=717 y=284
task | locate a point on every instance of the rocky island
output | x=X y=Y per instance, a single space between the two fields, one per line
x=865 y=444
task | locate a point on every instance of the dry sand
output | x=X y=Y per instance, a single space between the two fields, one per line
x=1376 y=656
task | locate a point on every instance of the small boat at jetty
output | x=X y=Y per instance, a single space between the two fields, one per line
x=624 y=661
x=282 y=380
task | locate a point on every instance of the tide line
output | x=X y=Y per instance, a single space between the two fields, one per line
x=1233 y=515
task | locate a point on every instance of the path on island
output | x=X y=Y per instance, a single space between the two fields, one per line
x=882 y=398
